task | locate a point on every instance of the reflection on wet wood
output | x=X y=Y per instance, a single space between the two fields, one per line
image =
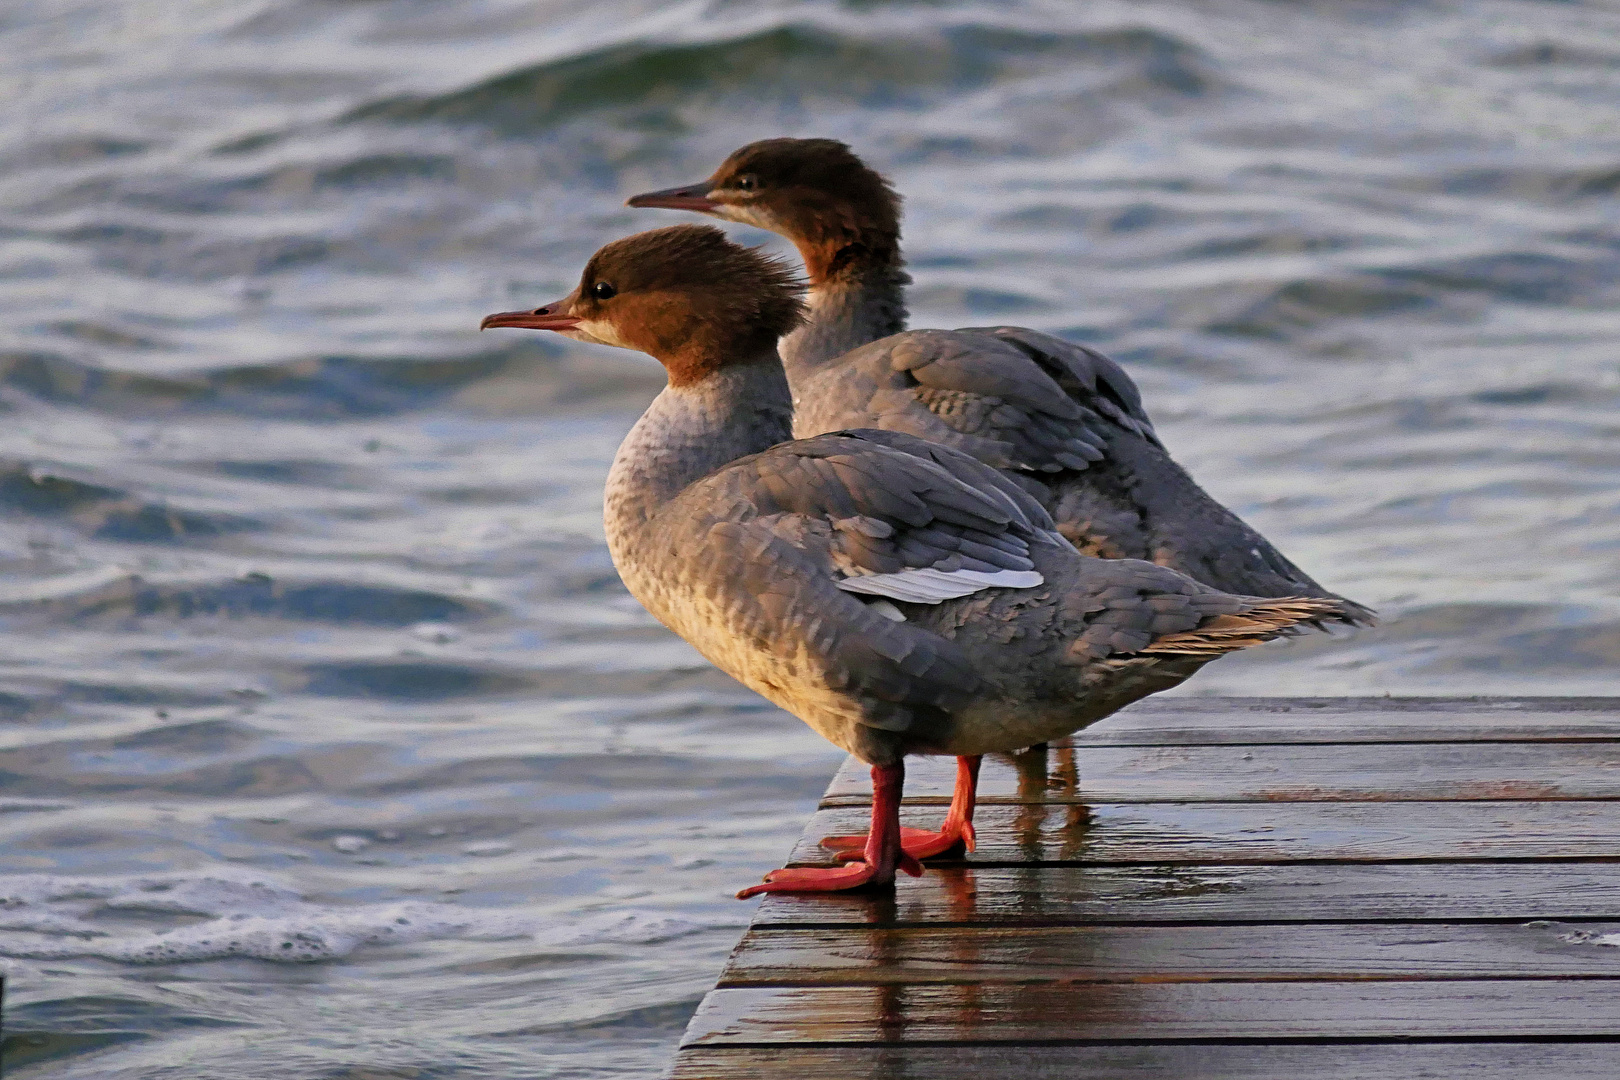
x=1206 y=721
x=1261 y=832
x=1234 y=895
x=1224 y=888
x=1171 y=1061
x=1277 y=773
x=1152 y=1012
x=806 y=957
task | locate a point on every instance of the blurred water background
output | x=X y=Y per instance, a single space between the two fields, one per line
x=332 y=746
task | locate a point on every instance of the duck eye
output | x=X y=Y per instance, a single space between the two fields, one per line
x=603 y=290
x=747 y=182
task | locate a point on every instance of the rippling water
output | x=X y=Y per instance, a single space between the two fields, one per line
x=332 y=745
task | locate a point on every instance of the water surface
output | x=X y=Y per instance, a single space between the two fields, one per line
x=330 y=745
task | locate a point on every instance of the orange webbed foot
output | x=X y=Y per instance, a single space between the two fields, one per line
x=812 y=879
x=917 y=843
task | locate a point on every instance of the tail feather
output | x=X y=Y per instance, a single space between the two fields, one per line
x=1350 y=613
x=1266 y=620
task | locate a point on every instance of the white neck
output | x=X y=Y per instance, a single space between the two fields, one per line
x=690 y=431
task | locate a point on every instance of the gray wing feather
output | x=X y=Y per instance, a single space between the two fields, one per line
x=1100 y=383
x=802 y=525
x=987 y=482
x=1068 y=426
x=1143 y=504
x=1126 y=604
x=1009 y=410
x=1013 y=398
x=896 y=677
x=884 y=509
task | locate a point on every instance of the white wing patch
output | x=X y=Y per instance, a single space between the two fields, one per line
x=887 y=610
x=927 y=586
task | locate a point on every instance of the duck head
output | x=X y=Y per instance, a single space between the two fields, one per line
x=815 y=192
x=685 y=295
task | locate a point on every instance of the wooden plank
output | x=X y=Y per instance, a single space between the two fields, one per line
x=1259 y=888
x=1266 y=773
x=1262 y=832
x=1375 y=703
x=1123 y=895
x=1194 y=721
x=1158 y=1012
x=984 y=955
x=1338 y=1061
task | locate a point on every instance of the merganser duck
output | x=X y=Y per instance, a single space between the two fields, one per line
x=895 y=594
x=1064 y=420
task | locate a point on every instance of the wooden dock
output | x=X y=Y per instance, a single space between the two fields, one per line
x=1344 y=888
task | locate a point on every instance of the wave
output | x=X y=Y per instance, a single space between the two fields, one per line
x=1450 y=289
x=796 y=64
x=1526 y=277
x=1536 y=183
x=108 y=513
x=115 y=593
x=56 y=917
x=1304 y=304
x=303 y=388
x=1548 y=54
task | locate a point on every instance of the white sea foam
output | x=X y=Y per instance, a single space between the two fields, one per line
x=52 y=917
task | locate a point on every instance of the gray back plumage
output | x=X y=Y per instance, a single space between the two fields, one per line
x=1068 y=424
x=756 y=564
x=755 y=554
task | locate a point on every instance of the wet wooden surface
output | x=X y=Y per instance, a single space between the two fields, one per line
x=1333 y=951
x=1226 y=895
x=1165 y=1061
x=1379 y=772
x=1259 y=832
x=1237 y=888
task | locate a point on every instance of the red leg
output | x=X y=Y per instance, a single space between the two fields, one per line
x=876 y=863
x=919 y=843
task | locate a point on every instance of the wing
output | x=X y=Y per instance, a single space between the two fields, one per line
x=1052 y=413
x=787 y=551
x=1086 y=375
x=1012 y=397
x=901 y=519
x=976 y=474
x=1183 y=527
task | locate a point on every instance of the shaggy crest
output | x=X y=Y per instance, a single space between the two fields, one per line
x=818 y=194
x=839 y=213
x=690 y=297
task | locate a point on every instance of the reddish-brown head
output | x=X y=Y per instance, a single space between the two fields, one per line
x=815 y=192
x=685 y=295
